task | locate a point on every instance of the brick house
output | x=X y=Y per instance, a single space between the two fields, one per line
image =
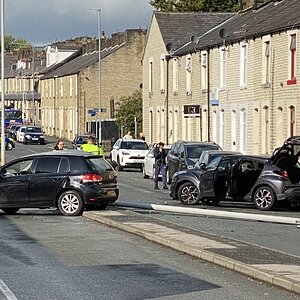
x=164 y=93
x=249 y=63
x=71 y=90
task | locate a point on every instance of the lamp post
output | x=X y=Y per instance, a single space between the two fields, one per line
x=99 y=127
x=2 y=86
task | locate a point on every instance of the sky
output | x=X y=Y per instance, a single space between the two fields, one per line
x=44 y=21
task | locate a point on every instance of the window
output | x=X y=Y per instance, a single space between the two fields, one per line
x=243 y=64
x=162 y=73
x=188 y=72
x=292 y=120
x=47 y=165
x=204 y=70
x=20 y=168
x=266 y=68
x=223 y=57
x=243 y=130
x=222 y=128
x=292 y=60
x=151 y=76
x=175 y=75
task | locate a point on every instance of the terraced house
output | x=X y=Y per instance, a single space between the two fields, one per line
x=70 y=91
x=250 y=65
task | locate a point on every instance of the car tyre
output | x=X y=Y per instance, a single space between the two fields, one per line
x=188 y=194
x=118 y=166
x=144 y=172
x=264 y=198
x=10 y=210
x=70 y=203
x=9 y=146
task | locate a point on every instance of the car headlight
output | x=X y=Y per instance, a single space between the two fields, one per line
x=28 y=136
x=125 y=153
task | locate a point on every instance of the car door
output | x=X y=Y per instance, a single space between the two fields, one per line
x=14 y=183
x=149 y=162
x=114 y=151
x=173 y=159
x=47 y=178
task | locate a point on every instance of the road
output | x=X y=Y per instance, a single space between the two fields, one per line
x=44 y=255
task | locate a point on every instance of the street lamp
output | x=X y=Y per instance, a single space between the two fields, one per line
x=2 y=86
x=99 y=127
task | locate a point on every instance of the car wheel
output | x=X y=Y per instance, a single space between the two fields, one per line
x=294 y=206
x=144 y=172
x=9 y=146
x=10 y=210
x=70 y=203
x=118 y=166
x=264 y=198
x=188 y=194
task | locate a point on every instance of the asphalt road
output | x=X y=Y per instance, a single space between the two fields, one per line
x=44 y=255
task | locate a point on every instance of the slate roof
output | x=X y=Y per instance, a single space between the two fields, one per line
x=79 y=63
x=177 y=28
x=272 y=17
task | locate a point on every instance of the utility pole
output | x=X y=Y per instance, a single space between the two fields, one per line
x=2 y=86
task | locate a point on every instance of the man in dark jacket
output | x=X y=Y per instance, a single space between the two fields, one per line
x=160 y=166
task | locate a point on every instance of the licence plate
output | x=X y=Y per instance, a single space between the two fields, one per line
x=111 y=193
x=35 y=139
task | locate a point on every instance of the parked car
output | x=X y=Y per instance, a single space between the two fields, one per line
x=150 y=160
x=128 y=154
x=69 y=180
x=11 y=127
x=183 y=155
x=81 y=139
x=33 y=135
x=13 y=132
x=208 y=156
x=20 y=134
x=236 y=178
x=9 y=143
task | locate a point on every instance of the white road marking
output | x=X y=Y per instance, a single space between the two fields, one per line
x=31 y=151
x=6 y=291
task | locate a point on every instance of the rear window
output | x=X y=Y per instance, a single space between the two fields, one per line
x=134 y=145
x=99 y=164
x=195 y=151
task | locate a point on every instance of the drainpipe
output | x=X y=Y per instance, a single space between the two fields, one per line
x=208 y=95
x=167 y=100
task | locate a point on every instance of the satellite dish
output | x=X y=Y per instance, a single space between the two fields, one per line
x=194 y=39
x=222 y=33
x=169 y=47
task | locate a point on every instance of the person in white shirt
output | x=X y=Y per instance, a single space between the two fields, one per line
x=128 y=136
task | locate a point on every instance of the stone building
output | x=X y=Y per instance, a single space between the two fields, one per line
x=70 y=92
x=250 y=66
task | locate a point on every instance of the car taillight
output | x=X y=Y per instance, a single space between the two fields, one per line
x=91 y=178
x=282 y=173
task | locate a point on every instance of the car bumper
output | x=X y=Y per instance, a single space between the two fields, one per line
x=290 y=193
x=34 y=141
x=132 y=162
x=94 y=196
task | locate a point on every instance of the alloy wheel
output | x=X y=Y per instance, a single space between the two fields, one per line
x=70 y=203
x=264 y=198
x=188 y=194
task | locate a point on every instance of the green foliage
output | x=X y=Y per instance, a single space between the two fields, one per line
x=127 y=109
x=195 y=5
x=12 y=44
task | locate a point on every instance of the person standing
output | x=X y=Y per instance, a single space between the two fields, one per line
x=142 y=137
x=160 y=166
x=91 y=147
x=59 y=145
x=128 y=136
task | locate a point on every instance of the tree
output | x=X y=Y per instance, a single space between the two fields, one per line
x=195 y=5
x=12 y=44
x=127 y=109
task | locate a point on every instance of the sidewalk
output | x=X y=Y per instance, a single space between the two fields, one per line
x=263 y=264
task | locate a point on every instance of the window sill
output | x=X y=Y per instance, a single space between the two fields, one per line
x=222 y=88
x=291 y=81
x=266 y=85
x=204 y=91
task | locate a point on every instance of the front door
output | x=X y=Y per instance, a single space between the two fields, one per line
x=14 y=184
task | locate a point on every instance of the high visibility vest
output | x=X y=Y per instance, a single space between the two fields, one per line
x=91 y=148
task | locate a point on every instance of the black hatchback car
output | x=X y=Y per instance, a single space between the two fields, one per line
x=183 y=155
x=34 y=135
x=69 y=180
x=236 y=178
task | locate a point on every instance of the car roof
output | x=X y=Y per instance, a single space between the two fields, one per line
x=132 y=140
x=65 y=153
x=248 y=156
x=293 y=140
x=198 y=143
x=221 y=152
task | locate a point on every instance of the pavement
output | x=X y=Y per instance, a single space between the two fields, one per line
x=263 y=264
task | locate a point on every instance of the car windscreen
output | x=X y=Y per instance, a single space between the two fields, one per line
x=134 y=145
x=194 y=151
x=34 y=129
x=99 y=164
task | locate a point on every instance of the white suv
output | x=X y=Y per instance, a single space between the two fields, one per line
x=128 y=154
x=21 y=134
